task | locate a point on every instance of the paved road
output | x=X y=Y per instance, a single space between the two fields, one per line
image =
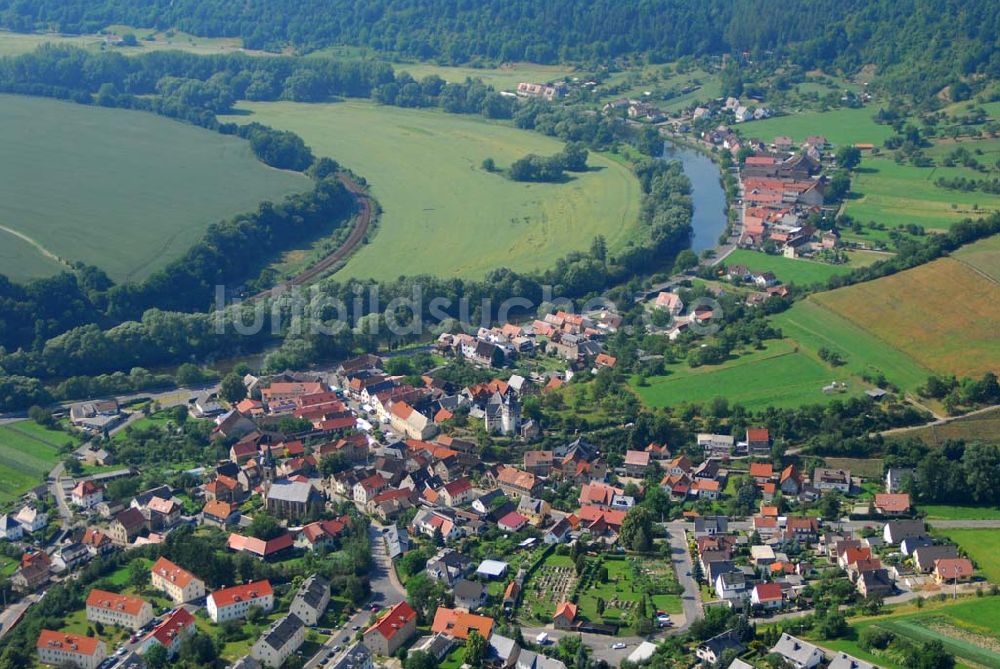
x=683 y=567
x=10 y=615
x=941 y=420
x=386 y=591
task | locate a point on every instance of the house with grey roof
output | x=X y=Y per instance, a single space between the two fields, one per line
x=798 y=653
x=502 y=652
x=397 y=541
x=711 y=650
x=897 y=530
x=470 y=595
x=924 y=557
x=277 y=644
x=357 y=657
x=845 y=661
x=311 y=600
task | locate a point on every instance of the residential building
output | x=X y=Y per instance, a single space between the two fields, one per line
x=825 y=479
x=711 y=651
x=459 y=624
x=558 y=533
x=60 y=649
x=392 y=630
x=259 y=548
x=87 y=494
x=33 y=572
x=370 y=487
x=179 y=584
x=842 y=660
x=236 y=602
x=716 y=445
x=458 y=492
x=356 y=657
x=710 y=525
x=892 y=504
x=758 y=441
x=31 y=519
x=767 y=596
x=220 y=514
x=897 y=530
x=925 y=557
x=875 y=583
x=897 y=479
x=470 y=595
x=799 y=654
x=109 y=608
x=491 y=569
x=170 y=632
x=636 y=463
x=10 y=529
x=448 y=566
x=407 y=420
x=127 y=525
x=278 y=643
x=953 y=570
x=731 y=585
x=311 y=599
x=516 y=483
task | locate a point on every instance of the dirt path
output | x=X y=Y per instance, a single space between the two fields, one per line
x=364 y=219
x=41 y=249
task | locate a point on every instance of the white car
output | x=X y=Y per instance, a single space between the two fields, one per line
x=618 y=646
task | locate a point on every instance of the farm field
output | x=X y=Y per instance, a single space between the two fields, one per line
x=442 y=213
x=814 y=326
x=781 y=375
x=123 y=190
x=943 y=315
x=983 y=255
x=27 y=452
x=983 y=546
x=23 y=260
x=840 y=126
x=901 y=194
x=788 y=270
x=967 y=628
x=983 y=427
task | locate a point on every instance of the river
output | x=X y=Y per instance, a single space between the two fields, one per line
x=707 y=195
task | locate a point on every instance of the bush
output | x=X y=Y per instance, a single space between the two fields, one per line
x=874 y=637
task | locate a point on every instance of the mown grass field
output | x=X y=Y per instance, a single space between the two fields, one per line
x=894 y=194
x=983 y=255
x=13 y=44
x=123 y=190
x=813 y=326
x=967 y=628
x=983 y=427
x=780 y=376
x=27 y=452
x=788 y=270
x=840 y=126
x=943 y=315
x=504 y=78
x=983 y=546
x=951 y=512
x=869 y=468
x=442 y=213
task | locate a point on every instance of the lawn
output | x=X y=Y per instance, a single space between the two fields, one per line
x=943 y=315
x=779 y=376
x=126 y=191
x=442 y=213
x=950 y=512
x=899 y=194
x=983 y=546
x=454 y=660
x=813 y=326
x=967 y=628
x=867 y=468
x=27 y=452
x=788 y=270
x=840 y=126
x=983 y=256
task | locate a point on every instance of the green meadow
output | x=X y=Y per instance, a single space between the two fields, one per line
x=788 y=270
x=982 y=546
x=27 y=452
x=840 y=126
x=814 y=326
x=442 y=213
x=781 y=375
x=126 y=191
x=983 y=256
x=13 y=44
x=900 y=194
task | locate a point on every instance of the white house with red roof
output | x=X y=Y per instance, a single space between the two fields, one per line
x=235 y=602
x=60 y=649
x=87 y=494
x=179 y=584
x=392 y=630
x=110 y=608
x=170 y=633
x=767 y=595
x=458 y=492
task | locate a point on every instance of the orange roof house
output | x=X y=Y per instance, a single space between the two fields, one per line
x=761 y=470
x=565 y=614
x=459 y=624
x=892 y=503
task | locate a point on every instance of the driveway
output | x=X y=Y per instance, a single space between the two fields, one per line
x=684 y=568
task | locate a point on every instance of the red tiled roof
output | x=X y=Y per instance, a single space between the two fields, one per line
x=567 y=610
x=172 y=626
x=768 y=591
x=953 y=567
x=102 y=599
x=460 y=623
x=241 y=593
x=172 y=572
x=69 y=643
x=218 y=509
x=762 y=470
x=395 y=620
x=238 y=542
x=892 y=502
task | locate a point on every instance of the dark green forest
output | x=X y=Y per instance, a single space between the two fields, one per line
x=919 y=45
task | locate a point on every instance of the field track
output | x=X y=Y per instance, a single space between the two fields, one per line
x=364 y=219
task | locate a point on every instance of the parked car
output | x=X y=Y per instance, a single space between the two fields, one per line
x=617 y=645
